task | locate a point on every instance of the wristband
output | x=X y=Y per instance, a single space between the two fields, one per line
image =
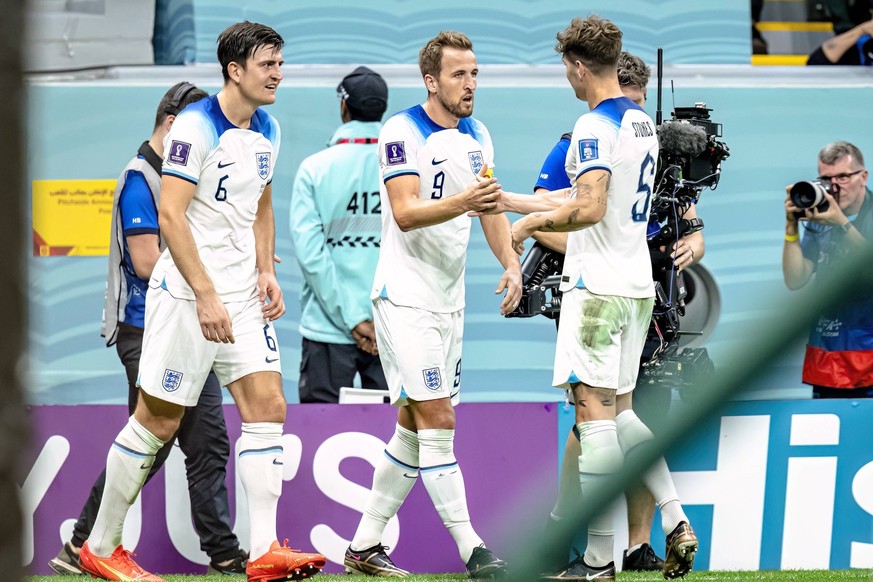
x=792 y=237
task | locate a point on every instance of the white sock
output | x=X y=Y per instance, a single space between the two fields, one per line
x=127 y=465
x=601 y=457
x=568 y=485
x=632 y=433
x=260 y=470
x=445 y=484
x=395 y=474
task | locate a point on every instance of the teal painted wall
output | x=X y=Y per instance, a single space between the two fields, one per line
x=507 y=31
x=774 y=134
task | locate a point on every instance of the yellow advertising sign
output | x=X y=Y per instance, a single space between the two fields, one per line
x=72 y=217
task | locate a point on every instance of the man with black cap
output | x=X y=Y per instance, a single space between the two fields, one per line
x=336 y=231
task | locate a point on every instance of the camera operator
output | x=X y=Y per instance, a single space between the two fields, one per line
x=650 y=401
x=839 y=354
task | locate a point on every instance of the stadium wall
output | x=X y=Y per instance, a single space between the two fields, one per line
x=511 y=31
x=85 y=129
x=767 y=485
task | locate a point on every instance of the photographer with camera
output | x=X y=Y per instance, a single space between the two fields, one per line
x=837 y=213
x=651 y=401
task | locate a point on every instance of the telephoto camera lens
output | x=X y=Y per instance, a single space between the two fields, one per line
x=808 y=195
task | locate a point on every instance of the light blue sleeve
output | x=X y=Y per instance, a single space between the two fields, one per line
x=310 y=246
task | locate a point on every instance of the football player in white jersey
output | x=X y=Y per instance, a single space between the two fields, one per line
x=434 y=160
x=211 y=303
x=607 y=284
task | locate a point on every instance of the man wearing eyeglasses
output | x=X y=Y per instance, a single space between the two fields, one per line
x=839 y=355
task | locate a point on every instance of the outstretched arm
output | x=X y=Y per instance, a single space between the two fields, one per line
x=412 y=212
x=544 y=201
x=556 y=241
x=586 y=209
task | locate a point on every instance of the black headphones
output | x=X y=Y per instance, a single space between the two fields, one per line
x=172 y=107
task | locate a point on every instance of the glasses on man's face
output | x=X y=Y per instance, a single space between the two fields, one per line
x=840 y=178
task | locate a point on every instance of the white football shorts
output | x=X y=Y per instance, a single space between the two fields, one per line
x=600 y=340
x=420 y=351
x=176 y=358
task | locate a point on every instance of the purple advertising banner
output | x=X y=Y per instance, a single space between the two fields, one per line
x=507 y=453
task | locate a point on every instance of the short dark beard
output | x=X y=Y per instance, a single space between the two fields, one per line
x=454 y=108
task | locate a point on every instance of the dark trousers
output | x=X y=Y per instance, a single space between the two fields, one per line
x=325 y=368
x=203 y=438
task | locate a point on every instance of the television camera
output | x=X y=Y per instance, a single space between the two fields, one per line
x=689 y=162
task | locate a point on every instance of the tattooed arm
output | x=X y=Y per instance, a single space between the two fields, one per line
x=544 y=201
x=556 y=241
x=585 y=209
x=836 y=47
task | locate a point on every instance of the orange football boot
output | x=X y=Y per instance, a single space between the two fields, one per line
x=118 y=566
x=283 y=563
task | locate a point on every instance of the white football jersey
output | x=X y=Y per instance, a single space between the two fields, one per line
x=424 y=267
x=612 y=257
x=230 y=167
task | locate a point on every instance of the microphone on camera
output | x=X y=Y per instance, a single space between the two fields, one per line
x=682 y=138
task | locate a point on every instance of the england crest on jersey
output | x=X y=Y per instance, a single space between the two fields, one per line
x=477 y=160
x=263 y=161
x=172 y=380
x=432 y=379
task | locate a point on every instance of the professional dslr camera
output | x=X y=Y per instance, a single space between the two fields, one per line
x=808 y=195
x=689 y=161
